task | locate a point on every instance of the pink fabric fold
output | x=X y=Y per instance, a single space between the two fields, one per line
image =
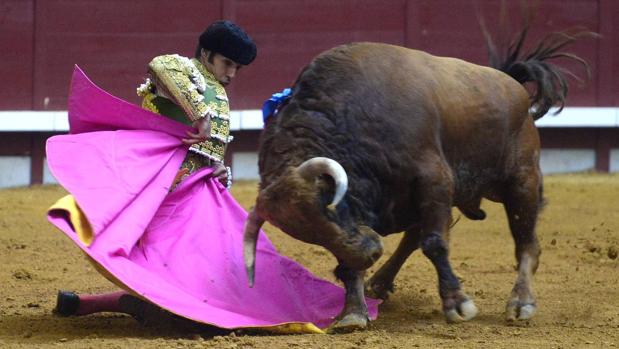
x=180 y=250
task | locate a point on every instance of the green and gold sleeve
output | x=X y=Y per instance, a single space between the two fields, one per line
x=184 y=90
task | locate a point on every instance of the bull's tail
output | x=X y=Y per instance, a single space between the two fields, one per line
x=548 y=80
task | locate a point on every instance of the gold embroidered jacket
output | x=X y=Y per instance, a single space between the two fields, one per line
x=182 y=89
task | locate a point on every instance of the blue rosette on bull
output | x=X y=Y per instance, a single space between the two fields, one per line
x=271 y=106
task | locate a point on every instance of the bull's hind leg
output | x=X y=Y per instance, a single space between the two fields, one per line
x=522 y=205
x=435 y=195
x=354 y=316
x=381 y=283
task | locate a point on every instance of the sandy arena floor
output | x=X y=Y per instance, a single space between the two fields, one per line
x=576 y=283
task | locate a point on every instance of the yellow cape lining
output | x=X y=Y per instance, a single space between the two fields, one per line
x=77 y=218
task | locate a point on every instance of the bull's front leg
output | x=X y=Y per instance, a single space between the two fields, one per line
x=381 y=283
x=354 y=316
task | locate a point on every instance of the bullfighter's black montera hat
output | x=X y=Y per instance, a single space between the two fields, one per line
x=228 y=39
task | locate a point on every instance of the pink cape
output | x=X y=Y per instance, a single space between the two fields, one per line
x=183 y=250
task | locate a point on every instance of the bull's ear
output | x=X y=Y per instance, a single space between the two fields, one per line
x=325 y=185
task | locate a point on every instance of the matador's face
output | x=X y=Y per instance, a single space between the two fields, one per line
x=223 y=68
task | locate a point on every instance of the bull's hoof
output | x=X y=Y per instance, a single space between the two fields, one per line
x=516 y=310
x=378 y=290
x=464 y=311
x=349 y=323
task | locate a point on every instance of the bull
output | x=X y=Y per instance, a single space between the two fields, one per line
x=378 y=139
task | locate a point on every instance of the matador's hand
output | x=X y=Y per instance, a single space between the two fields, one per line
x=221 y=173
x=203 y=126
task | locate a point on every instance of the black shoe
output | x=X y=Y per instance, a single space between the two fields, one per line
x=144 y=312
x=150 y=315
x=67 y=303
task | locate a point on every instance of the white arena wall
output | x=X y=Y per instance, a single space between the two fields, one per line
x=16 y=170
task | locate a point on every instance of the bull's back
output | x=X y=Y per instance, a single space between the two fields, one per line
x=419 y=86
x=468 y=108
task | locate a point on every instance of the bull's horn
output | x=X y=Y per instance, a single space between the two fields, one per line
x=314 y=167
x=250 y=238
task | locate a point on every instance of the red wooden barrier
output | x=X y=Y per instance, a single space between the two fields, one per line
x=41 y=40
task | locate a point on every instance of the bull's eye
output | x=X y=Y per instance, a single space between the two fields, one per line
x=341 y=216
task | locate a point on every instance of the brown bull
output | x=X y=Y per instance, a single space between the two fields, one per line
x=379 y=139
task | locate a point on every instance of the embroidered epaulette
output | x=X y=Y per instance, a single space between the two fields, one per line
x=177 y=78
